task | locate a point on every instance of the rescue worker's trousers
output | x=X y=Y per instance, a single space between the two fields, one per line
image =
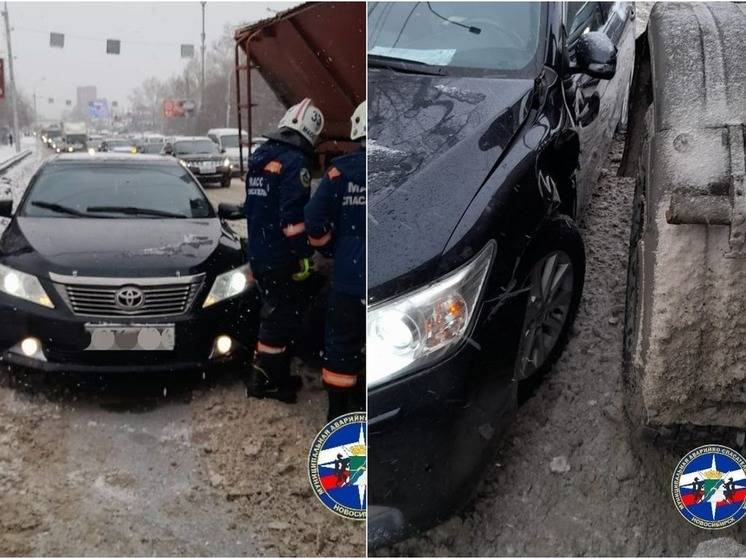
x=283 y=304
x=343 y=354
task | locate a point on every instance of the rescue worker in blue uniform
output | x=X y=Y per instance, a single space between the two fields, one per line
x=335 y=224
x=278 y=185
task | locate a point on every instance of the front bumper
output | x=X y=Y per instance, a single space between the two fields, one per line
x=220 y=173
x=433 y=432
x=64 y=337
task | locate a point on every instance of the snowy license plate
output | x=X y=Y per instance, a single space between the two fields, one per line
x=208 y=169
x=132 y=337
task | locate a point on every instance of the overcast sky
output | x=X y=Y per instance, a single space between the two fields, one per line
x=150 y=33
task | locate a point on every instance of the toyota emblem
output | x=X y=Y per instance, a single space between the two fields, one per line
x=129 y=298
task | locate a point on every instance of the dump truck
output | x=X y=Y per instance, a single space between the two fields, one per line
x=298 y=58
x=684 y=356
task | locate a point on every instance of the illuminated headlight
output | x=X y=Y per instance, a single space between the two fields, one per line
x=423 y=326
x=91 y=151
x=69 y=149
x=226 y=162
x=24 y=286
x=182 y=163
x=229 y=285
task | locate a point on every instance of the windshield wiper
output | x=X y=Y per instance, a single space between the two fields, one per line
x=58 y=208
x=130 y=210
x=404 y=65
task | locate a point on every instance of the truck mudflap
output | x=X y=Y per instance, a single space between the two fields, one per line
x=685 y=348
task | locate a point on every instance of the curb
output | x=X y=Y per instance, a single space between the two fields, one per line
x=8 y=163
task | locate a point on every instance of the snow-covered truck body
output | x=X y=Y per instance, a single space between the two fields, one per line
x=685 y=328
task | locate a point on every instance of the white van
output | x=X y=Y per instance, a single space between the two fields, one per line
x=227 y=140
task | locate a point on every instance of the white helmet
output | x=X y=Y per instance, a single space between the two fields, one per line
x=359 y=122
x=305 y=119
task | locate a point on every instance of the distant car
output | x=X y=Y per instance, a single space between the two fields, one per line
x=150 y=147
x=489 y=124
x=227 y=140
x=117 y=145
x=117 y=263
x=202 y=157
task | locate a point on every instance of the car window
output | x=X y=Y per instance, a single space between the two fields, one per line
x=163 y=188
x=117 y=143
x=189 y=147
x=229 y=141
x=483 y=35
x=583 y=17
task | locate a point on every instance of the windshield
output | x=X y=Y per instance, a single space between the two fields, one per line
x=497 y=36
x=196 y=146
x=65 y=189
x=230 y=141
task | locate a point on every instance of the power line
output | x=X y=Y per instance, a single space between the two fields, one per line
x=86 y=38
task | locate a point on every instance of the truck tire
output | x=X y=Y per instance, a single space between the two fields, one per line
x=679 y=436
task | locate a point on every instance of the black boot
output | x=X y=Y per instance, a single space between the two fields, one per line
x=270 y=378
x=338 y=404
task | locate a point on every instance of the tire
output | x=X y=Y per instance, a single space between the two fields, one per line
x=683 y=437
x=556 y=253
x=225 y=182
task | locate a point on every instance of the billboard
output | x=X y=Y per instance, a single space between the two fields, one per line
x=177 y=107
x=98 y=109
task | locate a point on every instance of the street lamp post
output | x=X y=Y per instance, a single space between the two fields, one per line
x=36 y=115
x=228 y=101
x=14 y=102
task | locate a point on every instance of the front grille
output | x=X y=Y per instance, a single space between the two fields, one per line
x=154 y=297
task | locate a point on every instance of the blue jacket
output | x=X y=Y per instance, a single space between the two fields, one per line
x=278 y=186
x=335 y=221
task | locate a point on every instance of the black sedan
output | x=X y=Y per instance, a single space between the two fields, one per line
x=118 y=263
x=203 y=158
x=487 y=126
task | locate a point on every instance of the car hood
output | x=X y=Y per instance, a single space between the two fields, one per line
x=121 y=149
x=433 y=141
x=112 y=247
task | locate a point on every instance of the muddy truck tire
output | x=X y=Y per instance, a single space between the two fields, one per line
x=684 y=356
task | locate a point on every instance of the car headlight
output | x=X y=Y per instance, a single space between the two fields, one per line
x=229 y=285
x=226 y=162
x=422 y=326
x=182 y=163
x=69 y=149
x=91 y=151
x=24 y=286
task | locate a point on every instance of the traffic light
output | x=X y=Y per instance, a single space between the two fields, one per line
x=57 y=40
x=112 y=46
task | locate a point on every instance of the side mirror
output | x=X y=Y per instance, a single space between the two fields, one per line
x=230 y=211
x=168 y=149
x=595 y=55
x=222 y=150
x=6 y=208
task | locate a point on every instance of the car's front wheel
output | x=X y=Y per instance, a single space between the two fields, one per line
x=225 y=182
x=553 y=272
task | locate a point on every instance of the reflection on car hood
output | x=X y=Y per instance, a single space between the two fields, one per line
x=109 y=247
x=432 y=143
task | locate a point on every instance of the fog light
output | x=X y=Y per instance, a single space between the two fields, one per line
x=223 y=345
x=30 y=346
